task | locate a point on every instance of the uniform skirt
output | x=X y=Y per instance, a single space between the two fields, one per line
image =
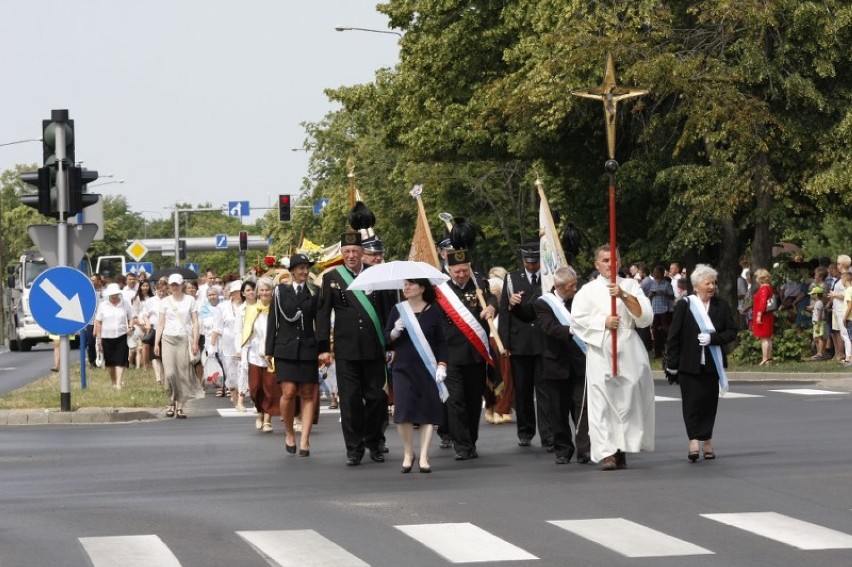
x=116 y=351
x=299 y=371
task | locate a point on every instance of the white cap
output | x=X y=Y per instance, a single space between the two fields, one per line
x=112 y=289
x=176 y=279
x=235 y=285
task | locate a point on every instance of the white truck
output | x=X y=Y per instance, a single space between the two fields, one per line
x=22 y=332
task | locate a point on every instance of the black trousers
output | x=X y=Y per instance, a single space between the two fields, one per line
x=531 y=397
x=660 y=331
x=700 y=398
x=466 y=385
x=566 y=408
x=363 y=403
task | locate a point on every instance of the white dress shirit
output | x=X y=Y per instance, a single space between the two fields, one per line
x=621 y=408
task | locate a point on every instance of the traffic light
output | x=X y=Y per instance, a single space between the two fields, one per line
x=243 y=241
x=44 y=200
x=78 y=197
x=48 y=138
x=181 y=250
x=284 y=208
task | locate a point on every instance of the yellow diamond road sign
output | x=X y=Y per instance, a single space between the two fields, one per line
x=137 y=251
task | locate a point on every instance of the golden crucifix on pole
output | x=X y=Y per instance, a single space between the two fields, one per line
x=611 y=94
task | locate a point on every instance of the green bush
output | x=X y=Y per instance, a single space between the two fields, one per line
x=788 y=344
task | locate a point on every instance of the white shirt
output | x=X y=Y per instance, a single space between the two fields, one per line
x=178 y=315
x=113 y=319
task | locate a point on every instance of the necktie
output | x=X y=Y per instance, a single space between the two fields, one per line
x=533 y=279
x=299 y=289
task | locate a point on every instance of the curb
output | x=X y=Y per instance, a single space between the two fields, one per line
x=81 y=416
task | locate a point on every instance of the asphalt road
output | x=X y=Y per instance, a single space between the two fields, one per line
x=210 y=491
x=18 y=369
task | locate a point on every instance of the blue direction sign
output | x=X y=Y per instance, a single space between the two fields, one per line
x=319 y=205
x=221 y=242
x=138 y=267
x=238 y=208
x=191 y=266
x=62 y=300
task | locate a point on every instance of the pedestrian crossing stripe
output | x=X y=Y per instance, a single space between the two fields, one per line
x=299 y=548
x=665 y=399
x=786 y=530
x=468 y=543
x=629 y=538
x=465 y=543
x=233 y=412
x=129 y=551
x=810 y=392
x=727 y=396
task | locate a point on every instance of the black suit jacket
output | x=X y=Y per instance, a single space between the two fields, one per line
x=460 y=349
x=355 y=336
x=682 y=349
x=562 y=357
x=518 y=326
x=295 y=340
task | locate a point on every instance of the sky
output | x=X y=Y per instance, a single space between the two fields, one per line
x=185 y=100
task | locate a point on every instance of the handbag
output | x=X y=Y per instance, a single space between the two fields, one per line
x=772 y=303
x=149 y=336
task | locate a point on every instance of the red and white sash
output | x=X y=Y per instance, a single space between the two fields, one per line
x=464 y=320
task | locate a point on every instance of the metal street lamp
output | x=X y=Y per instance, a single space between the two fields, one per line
x=21 y=142
x=350 y=28
x=106 y=183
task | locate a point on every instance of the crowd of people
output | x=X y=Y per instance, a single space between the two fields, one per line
x=572 y=359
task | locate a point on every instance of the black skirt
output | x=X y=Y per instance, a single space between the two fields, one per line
x=116 y=351
x=300 y=371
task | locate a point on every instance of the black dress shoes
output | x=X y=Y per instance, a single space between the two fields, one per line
x=353 y=461
x=549 y=448
x=377 y=456
x=290 y=448
x=446 y=443
x=584 y=458
x=562 y=460
x=524 y=442
x=304 y=452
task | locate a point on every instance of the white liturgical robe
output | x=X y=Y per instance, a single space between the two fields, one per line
x=621 y=408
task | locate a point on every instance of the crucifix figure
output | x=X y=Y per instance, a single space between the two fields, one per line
x=610 y=94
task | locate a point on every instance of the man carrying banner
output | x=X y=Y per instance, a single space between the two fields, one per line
x=359 y=352
x=522 y=337
x=621 y=406
x=469 y=355
x=564 y=369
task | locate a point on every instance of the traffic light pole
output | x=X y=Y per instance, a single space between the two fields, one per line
x=60 y=117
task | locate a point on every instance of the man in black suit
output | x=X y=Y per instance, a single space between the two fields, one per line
x=523 y=339
x=466 y=371
x=564 y=369
x=359 y=352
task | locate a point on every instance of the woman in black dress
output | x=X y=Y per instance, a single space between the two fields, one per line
x=690 y=356
x=291 y=343
x=415 y=383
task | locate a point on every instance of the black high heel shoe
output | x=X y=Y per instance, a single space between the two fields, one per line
x=290 y=448
x=407 y=469
x=693 y=455
x=304 y=452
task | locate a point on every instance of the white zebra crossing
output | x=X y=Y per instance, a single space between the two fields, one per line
x=464 y=543
x=467 y=543
x=629 y=538
x=810 y=392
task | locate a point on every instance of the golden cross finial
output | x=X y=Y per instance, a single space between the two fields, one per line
x=610 y=94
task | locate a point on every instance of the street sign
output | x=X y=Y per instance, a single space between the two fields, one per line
x=45 y=238
x=319 y=205
x=137 y=250
x=191 y=266
x=238 y=208
x=221 y=242
x=138 y=267
x=62 y=300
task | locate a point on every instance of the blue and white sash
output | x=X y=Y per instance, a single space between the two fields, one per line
x=558 y=307
x=418 y=339
x=705 y=325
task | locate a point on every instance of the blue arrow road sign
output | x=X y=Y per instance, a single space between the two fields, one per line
x=191 y=266
x=137 y=267
x=238 y=208
x=62 y=300
x=221 y=242
x=319 y=205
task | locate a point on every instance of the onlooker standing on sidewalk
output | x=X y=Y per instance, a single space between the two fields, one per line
x=764 y=321
x=659 y=291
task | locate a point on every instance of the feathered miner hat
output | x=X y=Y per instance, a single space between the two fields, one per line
x=462 y=238
x=361 y=219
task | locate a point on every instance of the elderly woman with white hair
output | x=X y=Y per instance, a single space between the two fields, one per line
x=701 y=325
x=263 y=384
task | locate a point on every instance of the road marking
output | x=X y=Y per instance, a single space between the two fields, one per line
x=810 y=392
x=629 y=538
x=784 y=529
x=299 y=548
x=464 y=543
x=129 y=551
x=737 y=395
x=665 y=399
x=232 y=412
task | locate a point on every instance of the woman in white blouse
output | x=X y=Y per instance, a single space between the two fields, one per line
x=225 y=337
x=177 y=338
x=263 y=385
x=112 y=322
x=152 y=315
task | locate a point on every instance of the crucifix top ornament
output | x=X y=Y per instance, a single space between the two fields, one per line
x=610 y=94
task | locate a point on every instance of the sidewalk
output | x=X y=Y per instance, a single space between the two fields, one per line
x=209 y=405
